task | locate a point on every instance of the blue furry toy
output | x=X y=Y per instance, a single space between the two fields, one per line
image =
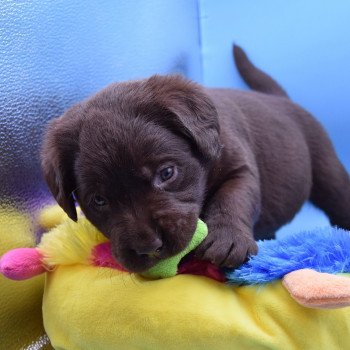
x=307 y=262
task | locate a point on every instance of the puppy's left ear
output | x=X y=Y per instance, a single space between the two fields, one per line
x=58 y=154
x=195 y=116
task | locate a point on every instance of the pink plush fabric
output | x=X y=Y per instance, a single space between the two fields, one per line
x=22 y=263
x=202 y=268
x=102 y=256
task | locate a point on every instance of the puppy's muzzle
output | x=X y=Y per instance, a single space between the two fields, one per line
x=150 y=249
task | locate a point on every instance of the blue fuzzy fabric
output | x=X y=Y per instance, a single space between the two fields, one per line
x=323 y=250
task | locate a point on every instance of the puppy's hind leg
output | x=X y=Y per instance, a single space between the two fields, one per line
x=331 y=184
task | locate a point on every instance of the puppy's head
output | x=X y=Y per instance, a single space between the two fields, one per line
x=135 y=157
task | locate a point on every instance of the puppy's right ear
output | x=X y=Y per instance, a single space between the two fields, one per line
x=58 y=154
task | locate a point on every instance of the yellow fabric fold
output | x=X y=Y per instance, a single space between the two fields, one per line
x=86 y=307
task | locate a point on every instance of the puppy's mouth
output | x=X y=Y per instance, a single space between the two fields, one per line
x=137 y=263
x=136 y=257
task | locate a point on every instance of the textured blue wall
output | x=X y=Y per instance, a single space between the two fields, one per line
x=55 y=53
x=305 y=45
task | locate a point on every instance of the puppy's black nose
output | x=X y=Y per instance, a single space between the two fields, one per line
x=151 y=249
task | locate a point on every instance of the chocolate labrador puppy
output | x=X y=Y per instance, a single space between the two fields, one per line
x=145 y=159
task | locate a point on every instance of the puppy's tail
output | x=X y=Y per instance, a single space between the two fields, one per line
x=254 y=77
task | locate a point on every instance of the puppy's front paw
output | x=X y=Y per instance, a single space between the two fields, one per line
x=223 y=248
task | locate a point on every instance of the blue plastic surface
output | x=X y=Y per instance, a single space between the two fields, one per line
x=303 y=44
x=55 y=53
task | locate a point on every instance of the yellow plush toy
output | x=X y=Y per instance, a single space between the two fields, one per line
x=21 y=321
x=88 y=304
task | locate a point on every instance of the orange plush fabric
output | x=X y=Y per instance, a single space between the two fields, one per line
x=318 y=290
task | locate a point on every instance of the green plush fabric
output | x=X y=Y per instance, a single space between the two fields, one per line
x=168 y=267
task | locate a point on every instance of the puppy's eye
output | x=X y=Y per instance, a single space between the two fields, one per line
x=99 y=200
x=166 y=173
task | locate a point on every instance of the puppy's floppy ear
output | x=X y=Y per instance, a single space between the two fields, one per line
x=195 y=115
x=58 y=155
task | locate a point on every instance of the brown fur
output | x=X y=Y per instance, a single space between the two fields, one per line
x=243 y=161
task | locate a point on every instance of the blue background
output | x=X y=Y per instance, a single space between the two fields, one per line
x=304 y=45
x=55 y=53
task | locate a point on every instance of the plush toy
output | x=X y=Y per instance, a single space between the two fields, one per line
x=21 y=322
x=81 y=243
x=91 y=302
x=307 y=263
x=297 y=259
